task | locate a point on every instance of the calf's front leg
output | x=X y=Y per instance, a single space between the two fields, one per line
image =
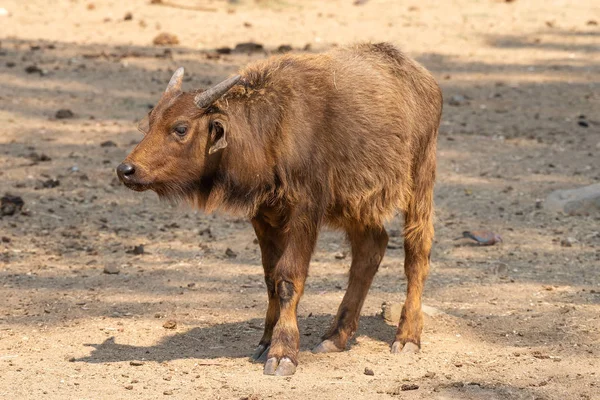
x=289 y=275
x=271 y=247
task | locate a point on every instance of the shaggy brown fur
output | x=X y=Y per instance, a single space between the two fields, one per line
x=346 y=138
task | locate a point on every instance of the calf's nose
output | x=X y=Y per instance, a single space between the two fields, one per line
x=125 y=171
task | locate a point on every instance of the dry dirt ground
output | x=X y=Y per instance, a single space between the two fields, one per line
x=520 y=320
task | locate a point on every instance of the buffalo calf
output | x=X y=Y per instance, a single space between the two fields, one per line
x=345 y=138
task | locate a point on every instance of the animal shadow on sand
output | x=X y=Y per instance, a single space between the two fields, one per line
x=230 y=340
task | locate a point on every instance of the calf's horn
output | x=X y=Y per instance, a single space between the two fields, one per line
x=176 y=79
x=211 y=95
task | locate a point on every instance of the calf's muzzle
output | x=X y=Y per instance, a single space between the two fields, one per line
x=126 y=172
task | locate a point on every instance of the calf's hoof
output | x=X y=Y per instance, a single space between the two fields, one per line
x=260 y=354
x=326 y=346
x=407 y=348
x=283 y=367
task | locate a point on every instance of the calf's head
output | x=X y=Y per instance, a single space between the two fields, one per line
x=184 y=133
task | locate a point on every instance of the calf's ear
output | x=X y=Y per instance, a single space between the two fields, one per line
x=218 y=139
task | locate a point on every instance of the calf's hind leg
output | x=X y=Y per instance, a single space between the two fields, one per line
x=418 y=236
x=368 y=248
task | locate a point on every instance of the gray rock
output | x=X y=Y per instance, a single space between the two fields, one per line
x=457 y=100
x=391 y=312
x=580 y=201
x=568 y=242
x=111 y=269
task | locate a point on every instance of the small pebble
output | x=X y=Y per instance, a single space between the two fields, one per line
x=409 y=386
x=64 y=113
x=111 y=269
x=369 y=371
x=457 y=100
x=165 y=39
x=567 y=242
x=170 y=324
x=230 y=253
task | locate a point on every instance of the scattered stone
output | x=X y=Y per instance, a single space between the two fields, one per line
x=136 y=363
x=457 y=100
x=168 y=392
x=592 y=22
x=340 y=256
x=11 y=64
x=583 y=123
x=484 y=238
x=35 y=157
x=64 y=113
x=284 y=48
x=165 y=39
x=137 y=250
x=170 y=324
x=230 y=253
x=224 y=50
x=500 y=269
x=207 y=232
x=431 y=311
x=5 y=239
x=360 y=2
x=391 y=312
x=128 y=16
x=248 y=47
x=111 y=269
x=539 y=203
x=34 y=69
x=369 y=371
x=129 y=387
x=409 y=386
x=430 y=374
x=108 y=143
x=91 y=6
x=10 y=205
x=580 y=201
x=539 y=355
x=568 y=242
x=47 y=184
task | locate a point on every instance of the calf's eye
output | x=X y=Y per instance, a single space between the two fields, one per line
x=181 y=130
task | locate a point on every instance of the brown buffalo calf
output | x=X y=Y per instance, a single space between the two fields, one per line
x=346 y=138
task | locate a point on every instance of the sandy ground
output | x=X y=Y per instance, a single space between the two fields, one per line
x=520 y=320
